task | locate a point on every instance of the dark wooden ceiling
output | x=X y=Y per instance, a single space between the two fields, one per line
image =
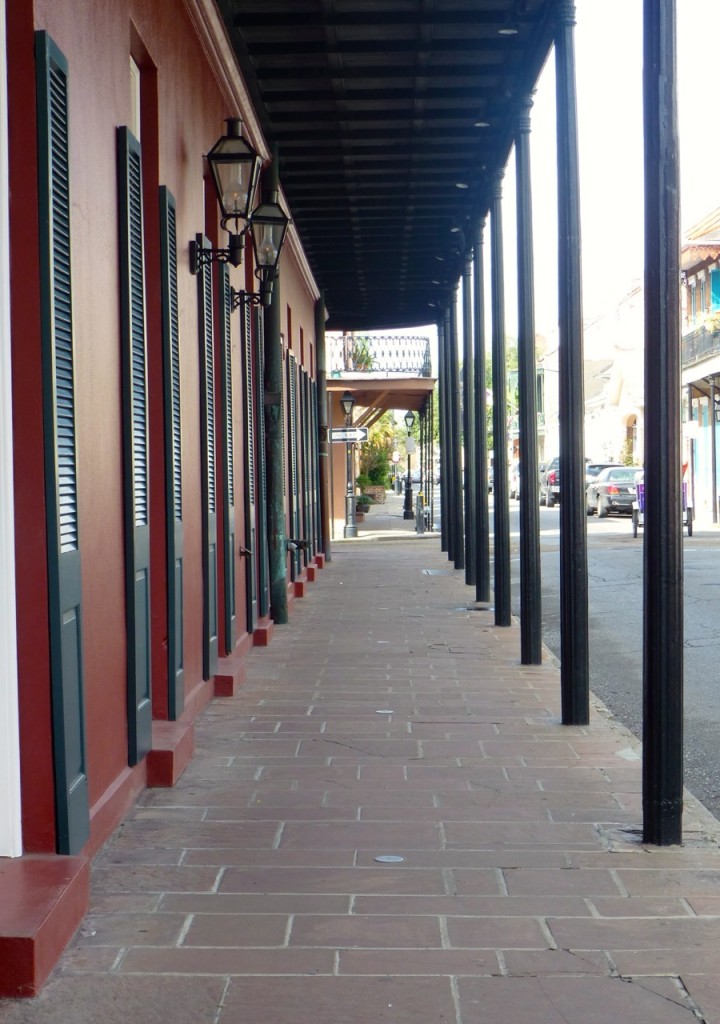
x=380 y=110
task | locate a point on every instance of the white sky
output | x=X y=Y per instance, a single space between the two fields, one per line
x=608 y=42
x=609 y=55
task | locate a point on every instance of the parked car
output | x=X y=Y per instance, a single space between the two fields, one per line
x=514 y=480
x=593 y=470
x=550 y=482
x=613 y=490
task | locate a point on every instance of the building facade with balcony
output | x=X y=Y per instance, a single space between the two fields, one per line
x=700 y=290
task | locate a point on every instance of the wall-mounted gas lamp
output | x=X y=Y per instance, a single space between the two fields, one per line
x=235 y=168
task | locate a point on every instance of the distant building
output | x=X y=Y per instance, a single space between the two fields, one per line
x=613 y=380
x=700 y=267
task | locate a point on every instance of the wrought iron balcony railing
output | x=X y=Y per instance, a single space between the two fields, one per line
x=699 y=344
x=406 y=355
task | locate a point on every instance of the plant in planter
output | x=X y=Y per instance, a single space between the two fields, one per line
x=362 y=356
x=375 y=457
x=362 y=501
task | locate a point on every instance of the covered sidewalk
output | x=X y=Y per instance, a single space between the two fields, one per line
x=388 y=823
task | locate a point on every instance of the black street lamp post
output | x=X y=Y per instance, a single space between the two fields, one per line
x=350 y=530
x=407 y=507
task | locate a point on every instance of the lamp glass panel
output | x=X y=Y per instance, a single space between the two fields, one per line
x=268 y=225
x=235 y=166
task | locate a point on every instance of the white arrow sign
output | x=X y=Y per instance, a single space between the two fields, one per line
x=349 y=434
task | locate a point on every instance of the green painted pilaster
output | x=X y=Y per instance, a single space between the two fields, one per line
x=274 y=440
x=323 y=428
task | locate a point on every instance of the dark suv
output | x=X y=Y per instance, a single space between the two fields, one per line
x=550 y=483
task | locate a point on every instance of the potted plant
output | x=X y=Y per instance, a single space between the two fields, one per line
x=362 y=502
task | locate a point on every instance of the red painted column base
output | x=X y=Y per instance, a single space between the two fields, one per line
x=262 y=634
x=229 y=677
x=320 y=560
x=310 y=571
x=43 y=900
x=173 y=745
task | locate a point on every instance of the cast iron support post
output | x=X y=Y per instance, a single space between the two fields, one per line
x=456 y=439
x=408 y=503
x=469 y=427
x=530 y=599
x=274 y=445
x=503 y=613
x=350 y=528
x=663 y=556
x=482 y=513
x=443 y=438
x=429 y=436
x=323 y=428
x=451 y=494
x=574 y=651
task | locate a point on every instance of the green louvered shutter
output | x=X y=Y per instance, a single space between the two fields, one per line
x=305 y=449
x=249 y=459
x=208 y=463
x=173 y=452
x=135 y=441
x=293 y=484
x=310 y=467
x=317 y=538
x=227 y=435
x=714 y=290
x=58 y=358
x=263 y=560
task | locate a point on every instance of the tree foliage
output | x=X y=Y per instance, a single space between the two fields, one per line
x=375 y=453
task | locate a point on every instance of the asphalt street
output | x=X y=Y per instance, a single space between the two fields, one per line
x=615 y=617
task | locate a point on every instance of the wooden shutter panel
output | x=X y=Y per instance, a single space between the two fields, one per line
x=249 y=459
x=315 y=459
x=263 y=560
x=173 y=452
x=293 y=486
x=228 y=460
x=208 y=460
x=135 y=439
x=58 y=359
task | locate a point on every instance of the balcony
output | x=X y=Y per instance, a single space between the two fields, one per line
x=702 y=342
x=380 y=355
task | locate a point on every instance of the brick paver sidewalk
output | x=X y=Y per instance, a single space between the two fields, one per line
x=388 y=720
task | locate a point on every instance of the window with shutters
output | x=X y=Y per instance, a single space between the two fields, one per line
x=173 y=452
x=58 y=360
x=135 y=442
x=227 y=434
x=208 y=464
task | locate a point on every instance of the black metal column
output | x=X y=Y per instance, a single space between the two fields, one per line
x=470 y=466
x=451 y=494
x=530 y=599
x=482 y=511
x=574 y=649
x=663 y=555
x=443 y=439
x=323 y=428
x=456 y=439
x=503 y=614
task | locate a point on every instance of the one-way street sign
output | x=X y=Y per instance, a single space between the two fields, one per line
x=349 y=434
